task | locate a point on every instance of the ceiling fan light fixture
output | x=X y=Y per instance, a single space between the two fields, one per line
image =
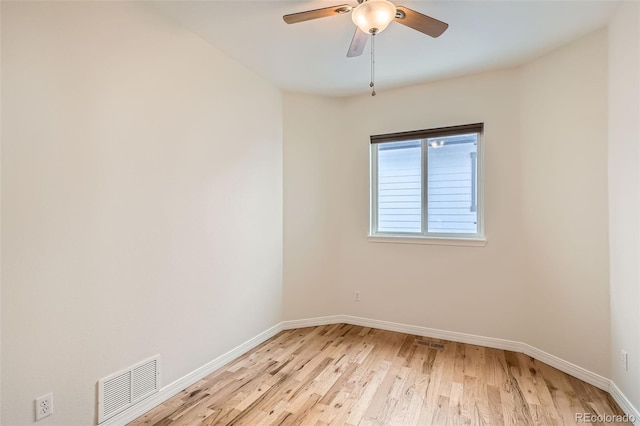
x=373 y=16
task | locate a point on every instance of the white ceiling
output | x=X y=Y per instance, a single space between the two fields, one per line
x=311 y=56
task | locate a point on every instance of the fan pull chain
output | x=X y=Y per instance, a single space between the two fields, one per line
x=373 y=61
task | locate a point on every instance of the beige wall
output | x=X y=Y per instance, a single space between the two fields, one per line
x=311 y=209
x=545 y=149
x=624 y=195
x=426 y=285
x=142 y=202
x=564 y=201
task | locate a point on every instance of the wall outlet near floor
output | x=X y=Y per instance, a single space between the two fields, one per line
x=44 y=406
x=356 y=296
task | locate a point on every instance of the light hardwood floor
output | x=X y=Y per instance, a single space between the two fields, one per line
x=348 y=375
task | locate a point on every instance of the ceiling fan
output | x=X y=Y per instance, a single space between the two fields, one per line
x=372 y=17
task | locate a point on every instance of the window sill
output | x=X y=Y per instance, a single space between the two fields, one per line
x=438 y=241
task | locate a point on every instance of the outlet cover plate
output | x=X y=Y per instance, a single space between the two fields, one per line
x=44 y=406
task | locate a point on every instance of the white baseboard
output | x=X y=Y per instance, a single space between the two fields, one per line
x=624 y=403
x=174 y=388
x=314 y=322
x=567 y=367
x=491 y=342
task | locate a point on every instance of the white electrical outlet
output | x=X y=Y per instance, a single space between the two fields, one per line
x=624 y=360
x=44 y=406
x=356 y=296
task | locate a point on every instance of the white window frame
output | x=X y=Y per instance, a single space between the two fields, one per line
x=425 y=237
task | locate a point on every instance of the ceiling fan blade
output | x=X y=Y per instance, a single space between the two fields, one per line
x=423 y=23
x=358 y=43
x=317 y=13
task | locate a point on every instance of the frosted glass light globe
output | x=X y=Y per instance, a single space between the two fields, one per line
x=373 y=16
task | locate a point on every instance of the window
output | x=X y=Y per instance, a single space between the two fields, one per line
x=426 y=183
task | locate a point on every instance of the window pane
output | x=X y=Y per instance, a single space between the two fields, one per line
x=399 y=187
x=452 y=184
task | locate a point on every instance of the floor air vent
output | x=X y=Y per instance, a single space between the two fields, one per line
x=121 y=390
x=430 y=344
